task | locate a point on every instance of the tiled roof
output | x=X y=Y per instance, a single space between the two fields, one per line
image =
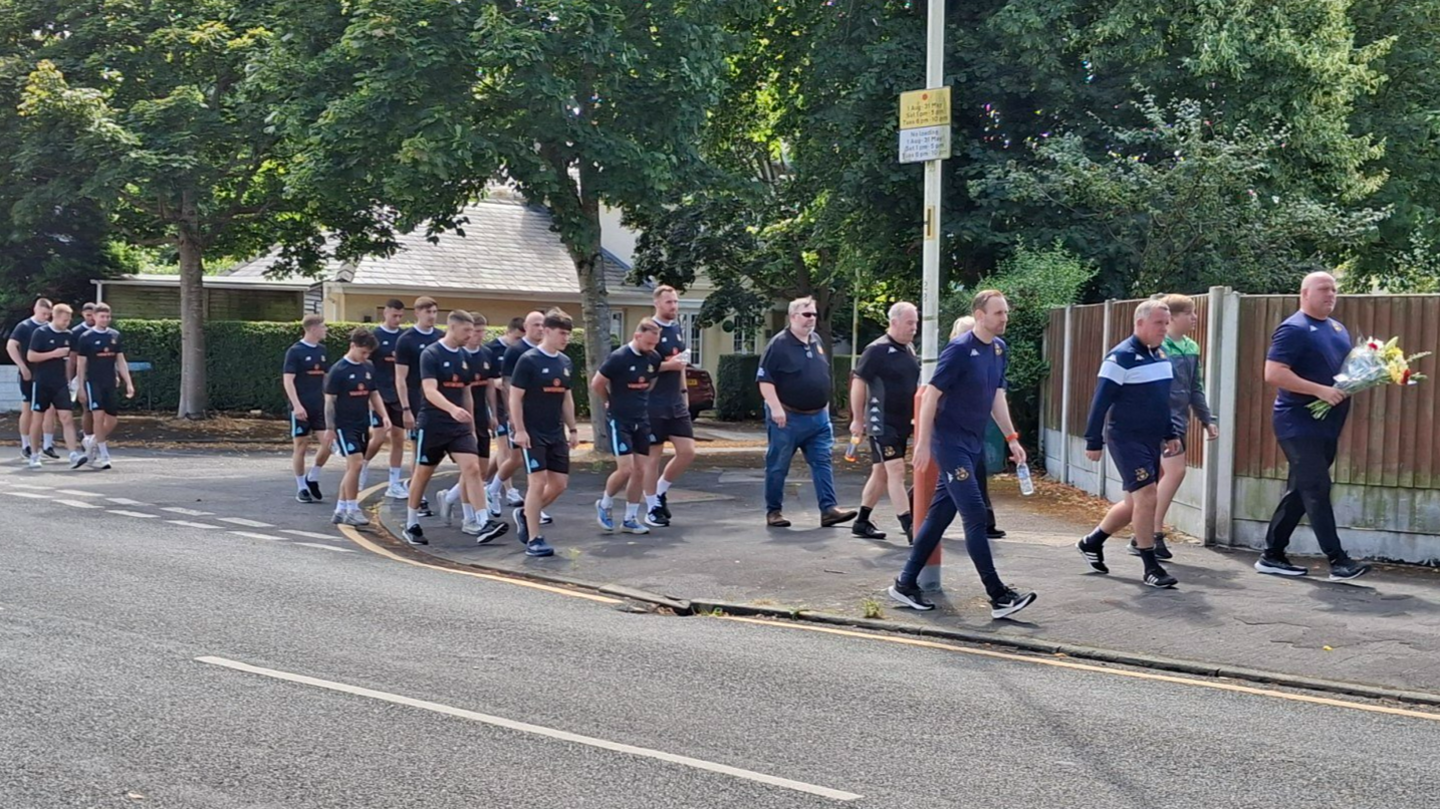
x=507 y=247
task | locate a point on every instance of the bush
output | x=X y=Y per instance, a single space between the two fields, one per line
x=1034 y=281
x=244 y=359
x=737 y=397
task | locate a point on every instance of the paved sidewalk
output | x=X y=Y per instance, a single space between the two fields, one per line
x=1385 y=633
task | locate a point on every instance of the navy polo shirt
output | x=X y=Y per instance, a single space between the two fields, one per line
x=800 y=371
x=969 y=373
x=1315 y=350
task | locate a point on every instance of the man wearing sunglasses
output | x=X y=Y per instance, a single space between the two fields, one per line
x=794 y=380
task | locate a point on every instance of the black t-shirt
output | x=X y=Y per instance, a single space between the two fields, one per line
x=451 y=370
x=79 y=329
x=50 y=372
x=100 y=350
x=498 y=348
x=351 y=384
x=408 y=349
x=22 y=334
x=483 y=370
x=799 y=371
x=891 y=370
x=631 y=375
x=309 y=365
x=513 y=355
x=545 y=379
x=383 y=358
x=667 y=400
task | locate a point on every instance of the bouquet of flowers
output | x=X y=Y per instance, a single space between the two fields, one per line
x=1372 y=364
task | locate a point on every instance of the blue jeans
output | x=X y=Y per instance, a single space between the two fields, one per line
x=956 y=492
x=812 y=435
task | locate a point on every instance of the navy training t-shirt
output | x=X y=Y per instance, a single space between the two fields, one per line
x=891 y=371
x=483 y=370
x=450 y=368
x=545 y=378
x=383 y=358
x=632 y=375
x=513 y=355
x=408 y=349
x=307 y=362
x=50 y=372
x=22 y=334
x=101 y=349
x=1315 y=350
x=667 y=399
x=969 y=373
x=351 y=383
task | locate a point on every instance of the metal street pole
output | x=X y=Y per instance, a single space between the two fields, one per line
x=925 y=479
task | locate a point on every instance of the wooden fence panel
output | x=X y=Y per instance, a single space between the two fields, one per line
x=1055 y=357
x=1089 y=351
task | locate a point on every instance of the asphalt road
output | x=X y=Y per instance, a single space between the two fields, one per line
x=103 y=618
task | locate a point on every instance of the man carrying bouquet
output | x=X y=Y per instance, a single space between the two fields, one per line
x=1306 y=352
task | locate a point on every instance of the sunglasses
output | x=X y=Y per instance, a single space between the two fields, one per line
x=807 y=314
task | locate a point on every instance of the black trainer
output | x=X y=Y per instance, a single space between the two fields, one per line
x=994 y=533
x=1347 y=570
x=866 y=530
x=665 y=507
x=315 y=491
x=656 y=517
x=1157 y=577
x=1095 y=556
x=303 y=496
x=49 y=452
x=907 y=524
x=491 y=529
x=424 y=510
x=415 y=535
x=1161 y=551
x=1010 y=603
x=25 y=453
x=910 y=595
x=1277 y=564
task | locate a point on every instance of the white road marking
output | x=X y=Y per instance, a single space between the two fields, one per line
x=139 y=515
x=188 y=512
x=77 y=504
x=30 y=495
x=124 y=501
x=537 y=730
x=77 y=493
x=185 y=524
x=245 y=522
x=23 y=485
x=324 y=547
x=257 y=536
x=307 y=534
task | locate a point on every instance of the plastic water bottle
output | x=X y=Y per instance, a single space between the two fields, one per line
x=852 y=452
x=1027 y=485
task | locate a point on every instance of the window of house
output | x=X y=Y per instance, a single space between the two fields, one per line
x=617 y=327
x=745 y=338
x=690 y=326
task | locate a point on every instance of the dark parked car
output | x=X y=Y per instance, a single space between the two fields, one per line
x=701 y=389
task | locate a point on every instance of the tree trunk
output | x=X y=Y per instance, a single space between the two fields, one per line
x=193 y=396
x=595 y=314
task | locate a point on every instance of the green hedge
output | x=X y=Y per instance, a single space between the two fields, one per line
x=243 y=361
x=737 y=397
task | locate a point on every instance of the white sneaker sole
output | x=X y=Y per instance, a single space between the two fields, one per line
x=636 y=530
x=1277 y=571
x=907 y=601
x=1006 y=612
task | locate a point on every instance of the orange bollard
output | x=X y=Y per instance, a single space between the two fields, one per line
x=925 y=479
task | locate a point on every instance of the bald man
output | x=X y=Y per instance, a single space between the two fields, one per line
x=1306 y=352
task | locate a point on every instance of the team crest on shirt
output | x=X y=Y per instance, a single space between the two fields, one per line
x=1142 y=475
x=1335 y=326
x=651 y=368
x=889 y=452
x=998 y=350
x=961 y=474
x=565 y=371
x=1160 y=352
x=556 y=383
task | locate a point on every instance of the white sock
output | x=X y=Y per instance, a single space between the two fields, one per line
x=364 y=474
x=395 y=473
x=49 y=441
x=314 y=474
x=104 y=448
x=469 y=512
x=300 y=481
x=341 y=506
x=452 y=495
x=412 y=517
x=355 y=506
x=606 y=501
x=632 y=511
x=652 y=500
x=25 y=441
x=662 y=486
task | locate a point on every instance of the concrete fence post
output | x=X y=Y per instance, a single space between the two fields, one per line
x=1225 y=401
x=1215 y=348
x=1066 y=382
x=1104 y=484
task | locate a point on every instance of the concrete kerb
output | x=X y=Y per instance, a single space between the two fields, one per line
x=700 y=606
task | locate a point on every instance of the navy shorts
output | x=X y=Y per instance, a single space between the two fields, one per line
x=314 y=422
x=1137 y=461
x=392 y=409
x=889 y=445
x=664 y=428
x=102 y=399
x=27 y=389
x=548 y=454
x=433 y=448
x=629 y=437
x=44 y=397
x=352 y=440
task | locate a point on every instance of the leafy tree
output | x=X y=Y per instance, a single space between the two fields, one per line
x=1184 y=207
x=151 y=112
x=578 y=103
